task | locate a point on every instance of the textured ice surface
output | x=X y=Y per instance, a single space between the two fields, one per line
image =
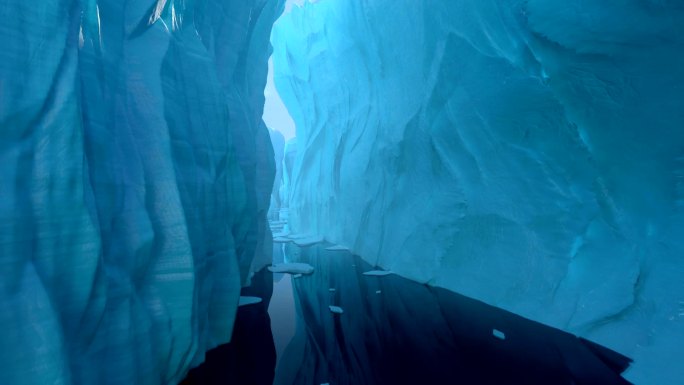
x=135 y=177
x=526 y=153
x=308 y=241
x=377 y=273
x=337 y=248
x=292 y=268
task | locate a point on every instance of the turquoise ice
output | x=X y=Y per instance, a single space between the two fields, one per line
x=526 y=153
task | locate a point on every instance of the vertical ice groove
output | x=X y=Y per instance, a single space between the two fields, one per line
x=133 y=199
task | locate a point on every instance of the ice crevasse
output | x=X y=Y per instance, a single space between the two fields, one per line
x=136 y=174
x=526 y=153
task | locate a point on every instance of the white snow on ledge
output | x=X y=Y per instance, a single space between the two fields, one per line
x=308 y=241
x=292 y=268
x=337 y=248
x=378 y=273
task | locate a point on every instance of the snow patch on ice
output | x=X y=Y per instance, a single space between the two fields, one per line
x=292 y=268
x=378 y=273
x=337 y=248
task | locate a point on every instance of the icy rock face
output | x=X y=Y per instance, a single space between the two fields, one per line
x=289 y=157
x=278 y=142
x=135 y=183
x=529 y=154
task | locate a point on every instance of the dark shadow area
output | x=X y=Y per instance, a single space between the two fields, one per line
x=396 y=331
x=250 y=357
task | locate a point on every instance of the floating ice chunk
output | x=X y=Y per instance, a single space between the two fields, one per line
x=292 y=268
x=336 y=309
x=299 y=236
x=337 y=248
x=378 y=291
x=246 y=300
x=282 y=240
x=308 y=241
x=297 y=275
x=331 y=289
x=282 y=234
x=498 y=334
x=378 y=273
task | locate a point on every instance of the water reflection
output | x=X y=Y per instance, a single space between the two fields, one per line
x=250 y=358
x=395 y=331
x=392 y=331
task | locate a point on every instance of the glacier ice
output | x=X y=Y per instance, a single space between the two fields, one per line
x=136 y=175
x=292 y=268
x=377 y=273
x=526 y=153
x=337 y=248
x=336 y=309
x=248 y=300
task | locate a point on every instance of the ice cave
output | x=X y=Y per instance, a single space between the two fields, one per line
x=329 y=192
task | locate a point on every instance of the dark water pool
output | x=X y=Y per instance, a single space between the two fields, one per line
x=392 y=331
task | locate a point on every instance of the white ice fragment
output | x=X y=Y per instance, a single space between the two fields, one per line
x=308 y=241
x=378 y=273
x=378 y=291
x=498 y=334
x=297 y=275
x=336 y=309
x=246 y=300
x=299 y=236
x=337 y=248
x=292 y=268
x=331 y=289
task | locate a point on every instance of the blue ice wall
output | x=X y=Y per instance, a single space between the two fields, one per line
x=526 y=153
x=136 y=175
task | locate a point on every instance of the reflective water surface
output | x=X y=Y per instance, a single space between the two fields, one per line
x=392 y=331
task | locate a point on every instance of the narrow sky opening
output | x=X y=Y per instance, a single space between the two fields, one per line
x=275 y=115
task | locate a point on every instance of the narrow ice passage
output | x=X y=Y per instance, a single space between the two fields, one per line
x=515 y=166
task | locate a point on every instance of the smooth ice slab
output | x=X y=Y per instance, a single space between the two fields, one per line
x=292 y=268
x=378 y=273
x=248 y=300
x=498 y=334
x=309 y=241
x=336 y=309
x=337 y=248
